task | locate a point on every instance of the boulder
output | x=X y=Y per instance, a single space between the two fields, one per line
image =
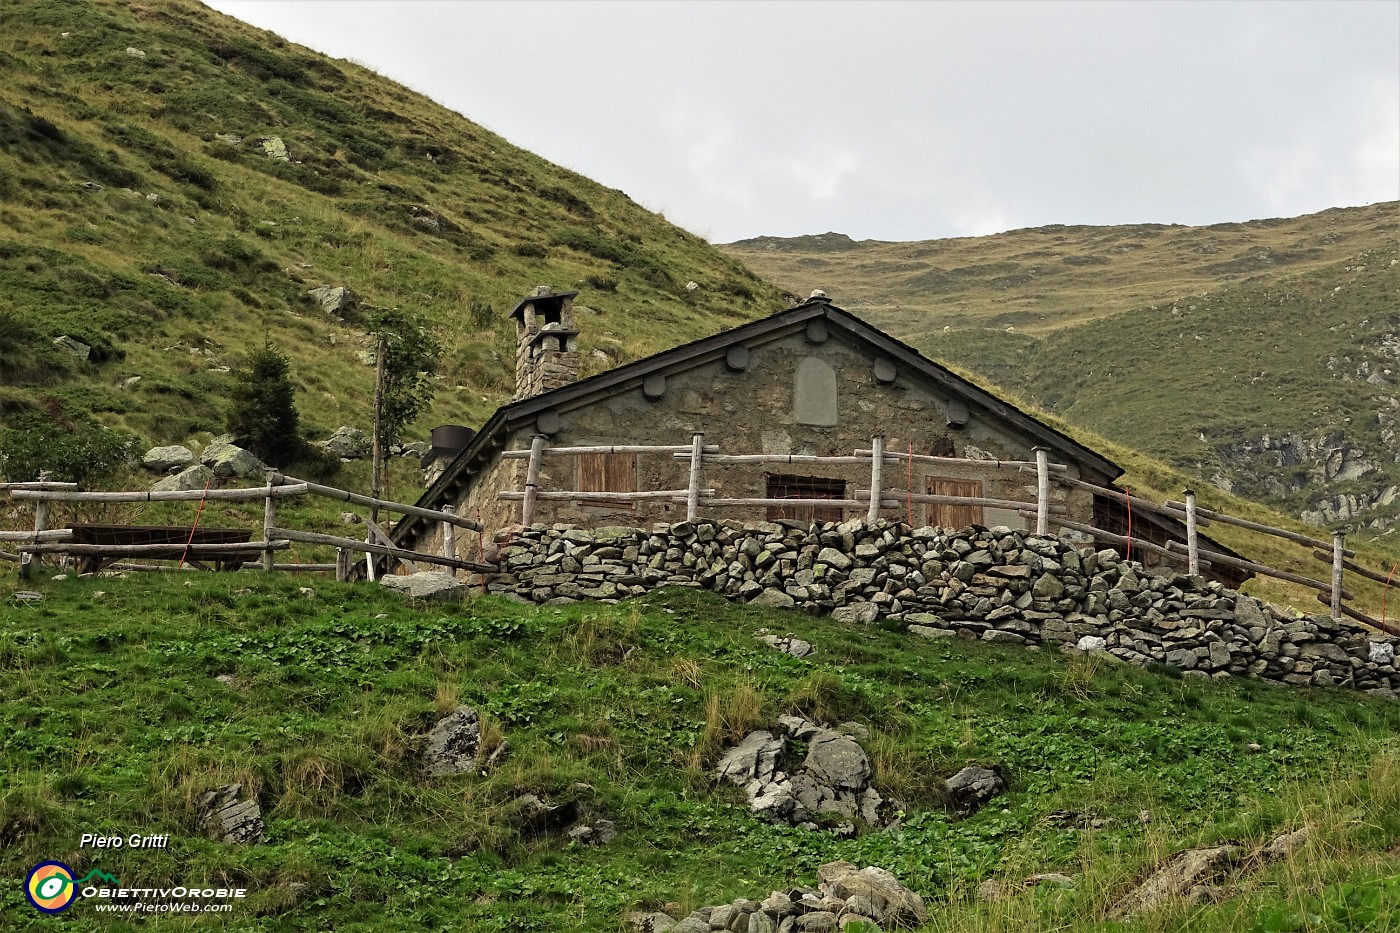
x=454 y=743
x=856 y=613
x=229 y=461
x=347 y=443
x=227 y=816
x=335 y=300
x=194 y=477
x=428 y=585
x=773 y=599
x=73 y=346
x=972 y=787
x=1182 y=875
x=165 y=459
x=274 y=148
x=838 y=761
x=755 y=758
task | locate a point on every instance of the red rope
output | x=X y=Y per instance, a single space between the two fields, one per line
x=1386 y=590
x=204 y=497
x=909 y=487
x=1128 y=498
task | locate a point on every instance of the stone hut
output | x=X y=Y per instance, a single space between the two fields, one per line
x=810 y=380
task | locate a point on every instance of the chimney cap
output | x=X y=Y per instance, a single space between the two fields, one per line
x=544 y=302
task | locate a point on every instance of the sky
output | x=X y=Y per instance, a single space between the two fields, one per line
x=909 y=120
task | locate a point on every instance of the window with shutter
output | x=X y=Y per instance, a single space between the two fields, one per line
x=953 y=516
x=608 y=473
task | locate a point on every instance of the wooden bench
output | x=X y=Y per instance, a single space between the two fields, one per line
x=158 y=542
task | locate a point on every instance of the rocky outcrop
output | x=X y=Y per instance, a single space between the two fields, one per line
x=229 y=816
x=454 y=744
x=347 y=443
x=995 y=585
x=831 y=783
x=844 y=895
x=1197 y=875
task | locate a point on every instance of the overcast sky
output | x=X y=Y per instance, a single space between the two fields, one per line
x=907 y=120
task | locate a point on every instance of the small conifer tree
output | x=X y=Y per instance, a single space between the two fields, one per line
x=264 y=415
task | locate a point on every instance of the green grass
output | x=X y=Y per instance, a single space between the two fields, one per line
x=114 y=722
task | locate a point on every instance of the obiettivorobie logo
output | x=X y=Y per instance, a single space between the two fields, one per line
x=52 y=889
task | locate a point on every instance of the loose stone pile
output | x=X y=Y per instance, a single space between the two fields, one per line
x=833 y=779
x=996 y=584
x=844 y=895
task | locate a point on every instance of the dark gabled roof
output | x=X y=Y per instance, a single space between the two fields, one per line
x=494 y=432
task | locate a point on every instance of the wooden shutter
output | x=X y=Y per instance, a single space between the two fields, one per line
x=608 y=473
x=954 y=516
x=805 y=487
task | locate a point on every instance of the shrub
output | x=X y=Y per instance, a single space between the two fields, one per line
x=85 y=452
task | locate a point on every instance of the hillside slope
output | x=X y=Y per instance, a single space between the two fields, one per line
x=318 y=705
x=1260 y=356
x=174 y=182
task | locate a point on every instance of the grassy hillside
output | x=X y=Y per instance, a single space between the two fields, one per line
x=622 y=709
x=1259 y=356
x=1043 y=278
x=144 y=210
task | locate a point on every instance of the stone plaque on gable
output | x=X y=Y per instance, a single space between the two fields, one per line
x=814 y=393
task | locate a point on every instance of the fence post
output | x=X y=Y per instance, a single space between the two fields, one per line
x=877 y=468
x=269 y=519
x=1193 y=544
x=28 y=559
x=1042 y=491
x=449 y=534
x=342 y=565
x=1338 y=546
x=532 y=480
x=692 y=496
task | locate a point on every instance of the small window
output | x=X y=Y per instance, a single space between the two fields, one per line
x=805 y=487
x=950 y=515
x=608 y=473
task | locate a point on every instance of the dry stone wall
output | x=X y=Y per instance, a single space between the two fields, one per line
x=997 y=585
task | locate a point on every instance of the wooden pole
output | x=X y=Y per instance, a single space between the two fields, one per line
x=532 y=480
x=41 y=520
x=1201 y=511
x=1338 y=548
x=1042 y=491
x=384 y=550
x=877 y=466
x=376 y=532
x=342 y=565
x=269 y=520
x=330 y=492
x=697 y=454
x=377 y=441
x=449 y=534
x=1193 y=543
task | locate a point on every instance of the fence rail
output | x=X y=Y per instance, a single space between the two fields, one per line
x=33 y=544
x=878 y=496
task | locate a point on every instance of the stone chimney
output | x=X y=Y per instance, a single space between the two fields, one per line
x=546 y=342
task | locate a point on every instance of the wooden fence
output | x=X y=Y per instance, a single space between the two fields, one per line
x=881 y=496
x=41 y=540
